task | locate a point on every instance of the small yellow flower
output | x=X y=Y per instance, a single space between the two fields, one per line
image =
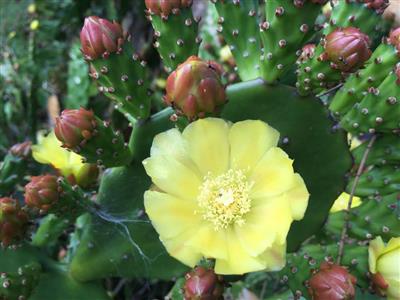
x=34 y=25
x=225 y=54
x=342 y=200
x=384 y=263
x=224 y=191
x=69 y=164
x=31 y=8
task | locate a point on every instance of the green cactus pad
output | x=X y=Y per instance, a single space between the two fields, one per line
x=300 y=265
x=356 y=86
x=377 y=181
x=286 y=29
x=176 y=37
x=239 y=26
x=378 y=111
x=123 y=78
x=12 y=172
x=49 y=230
x=379 y=216
x=320 y=153
x=386 y=150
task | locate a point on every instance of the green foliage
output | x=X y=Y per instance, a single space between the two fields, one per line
x=12 y=172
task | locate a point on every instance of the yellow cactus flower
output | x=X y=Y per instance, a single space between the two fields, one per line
x=341 y=202
x=31 y=8
x=224 y=191
x=34 y=25
x=69 y=164
x=384 y=264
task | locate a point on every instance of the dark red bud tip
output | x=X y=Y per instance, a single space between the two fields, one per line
x=307 y=52
x=22 y=150
x=42 y=192
x=195 y=88
x=397 y=72
x=347 y=48
x=332 y=282
x=165 y=7
x=379 y=284
x=202 y=283
x=378 y=5
x=74 y=126
x=394 y=39
x=13 y=221
x=99 y=36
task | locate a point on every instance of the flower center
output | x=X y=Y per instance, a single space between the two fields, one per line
x=224 y=199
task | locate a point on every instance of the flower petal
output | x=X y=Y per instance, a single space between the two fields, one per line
x=274 y=257
x=169 y=215
x=208 y=145
x=376 y=247
x=249 y=140
x=172 y=177
x=178 y=249
x=297 y=197
x=209 y=242
x=271 y=174
x=239 y=261
x=265 y=224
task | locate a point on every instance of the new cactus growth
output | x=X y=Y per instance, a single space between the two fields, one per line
x=20 y=284
x=379 y=65
x=13 y=221
x=82 y=132
x=175 y=30
x=195 y=89
x=332 y=282
x=287 y=26
x=342 y=51
x=116 y=67
x=203 y=284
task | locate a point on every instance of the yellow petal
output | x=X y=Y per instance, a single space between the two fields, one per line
x=171 y=143
x=265 y=225
x=297 y=196
x=209 y=242
x=172 y=177
x=271 y=174
x=239 y=261
x=274 y=257
x=376 y=247
x=342 y=201
x=208 y=145
x=392 y=245
x=170 y=215
x=389 y=265
x=249 y=140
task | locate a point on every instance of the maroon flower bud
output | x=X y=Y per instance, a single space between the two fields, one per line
x=165 y=7
x=99 y=36
x=347 y=48
x=394 y=39
x=379 y=284
x=307 y=52
x=13 y=221
x=378 y=5
x=195 y=87
x=203 y=284
x=22 y=150
x=42 y=192
x=397 y=72
x=75 y=126
x=332 y=282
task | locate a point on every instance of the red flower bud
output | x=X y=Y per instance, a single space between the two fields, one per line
x=75 y=126
x=307 y=52
x=195 y=87
x=378 y=5
x=203 y=284
x=379 y=284
x=42 y=192
x=22 y=150
x=397 y=72
x=394 y=39
x=332 y=282
x=347 y=48
x=99 y=36
x=13 y=221
x=165 y=7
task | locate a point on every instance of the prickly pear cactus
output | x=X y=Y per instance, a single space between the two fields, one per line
x=260 y=163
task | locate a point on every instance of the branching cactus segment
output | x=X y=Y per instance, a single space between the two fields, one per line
x=195 y=89
x=288 y=25
x=239 y=26
x=13 y=221
x=342 y=51
x=116 y=67
x=379 y=216
x=82 y=132
x=385 y=56
x=20 y=284
x=379 y=110
x=175 y=29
